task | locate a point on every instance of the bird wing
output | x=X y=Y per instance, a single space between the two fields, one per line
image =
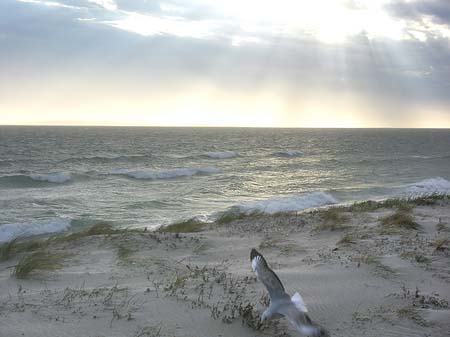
x=300 y=319
x=267 y=276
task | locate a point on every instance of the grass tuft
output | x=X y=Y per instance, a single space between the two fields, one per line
x=401 y=204
x=230 y=216
x=400 y=220
x=6 y=250
x=411 y=313
x=187 y=226
x=441 y=244
x=97 y=229
x=38 y=262
x=347 y=239
x=123 y=252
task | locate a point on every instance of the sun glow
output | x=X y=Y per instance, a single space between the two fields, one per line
x=330 y=21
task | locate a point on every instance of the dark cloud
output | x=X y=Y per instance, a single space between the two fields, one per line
x=439 y=10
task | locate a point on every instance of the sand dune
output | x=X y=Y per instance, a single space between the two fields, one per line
x=360 y=272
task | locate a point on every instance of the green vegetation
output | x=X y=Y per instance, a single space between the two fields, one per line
x=398 y=220
x=441 y=244
x=401 y=204
x=268 y=242
x=411 y=313
x=123 y=252
x=230 y=216
x=347 y=239
x=374 y=261
x=6 y=250
x=334 y=215
x=97 y=229
x=187 y=226
x=332 y=220
x=38 y=262
x=413 y=255
x=442 y=226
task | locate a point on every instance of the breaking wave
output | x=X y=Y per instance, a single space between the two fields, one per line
x=30 y=180
x=11 y=231
x=166 y=174
x=108 y=159
x=429 y=186
x=221 y=155
x=297 y=202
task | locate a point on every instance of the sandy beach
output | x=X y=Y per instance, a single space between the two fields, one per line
x=368 y=269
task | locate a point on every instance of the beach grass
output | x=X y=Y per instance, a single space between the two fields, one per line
x=97 y=229
x=399 y=203
x=124 y=252
x=187 y=226
x=6 y=250
x=347 y=239
x=441 y=244
x=230 y=216
x=38 y=262
x=399 y=220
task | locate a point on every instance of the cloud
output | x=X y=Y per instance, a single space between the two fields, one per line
x=105 y=54
x=107 y=4
x=438 y=10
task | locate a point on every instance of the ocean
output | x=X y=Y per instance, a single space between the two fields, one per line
x=65 y=178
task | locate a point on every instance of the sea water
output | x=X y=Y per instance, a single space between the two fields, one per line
x=58 y=178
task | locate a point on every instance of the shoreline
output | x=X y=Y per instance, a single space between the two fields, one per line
x=374 y=268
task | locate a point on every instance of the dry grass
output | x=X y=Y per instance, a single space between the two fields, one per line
x=441 y=244
x=124 y=253
x=347 y=239
x=97 y=229
x=380 y=268
x=6 y=250
x=411 y=313
x=401 y=204
x=38 y=262
x=10 y=249
x=230 y=216
x=188 y=226
x=399 y=220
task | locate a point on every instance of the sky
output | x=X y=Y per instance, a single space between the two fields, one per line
x=257 y=63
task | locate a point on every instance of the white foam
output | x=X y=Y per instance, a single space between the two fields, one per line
x=296 y=202
x=57 y=177
x=222 y=155
x=429 y=186
x=11 y=231
x=166 y=174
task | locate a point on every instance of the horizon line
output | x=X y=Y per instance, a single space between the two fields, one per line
x=219 y=126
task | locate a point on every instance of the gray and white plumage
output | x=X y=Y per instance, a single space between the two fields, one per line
x=293 y=308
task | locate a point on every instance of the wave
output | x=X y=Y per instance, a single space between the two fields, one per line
x=107 y=159
x=296 y=202
x=429 y=186
x=221 y=155
x=288 y=153
x=56 y=178
x=11 y=231
x=166 y=174
x=32 y=180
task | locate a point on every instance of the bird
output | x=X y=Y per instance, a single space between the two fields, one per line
x=281 y=304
